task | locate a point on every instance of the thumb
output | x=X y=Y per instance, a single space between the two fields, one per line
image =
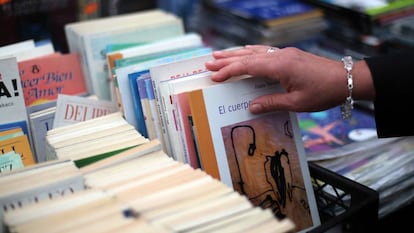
x=268 y=103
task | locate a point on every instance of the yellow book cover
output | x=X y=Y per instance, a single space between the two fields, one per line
x=20 y=145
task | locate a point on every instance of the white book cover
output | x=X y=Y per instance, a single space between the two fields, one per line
x=74 y=32
x=93 y=46
x=123 y=83
x=169 y=71
x=73 y=109
x=11 y=97
x=11 y=92
x=41 y=122
x=167 y=90
x=260 y=156
x=38 y=51
x=11 y=49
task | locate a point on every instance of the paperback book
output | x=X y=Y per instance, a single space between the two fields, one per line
x=260 y=156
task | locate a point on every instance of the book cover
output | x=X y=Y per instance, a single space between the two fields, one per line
x=72 y=109
x=325 y=135
x=155 y=118
x=182 y=107
x=175 y=69
x=167 y=90
x=140 y=101
x=20 y=145
x=163 y=50
x=20 y=46
x=268 y=13
x=151 y=50
x=40 y=122
x=11 y=92
x=364 y=16
x=260 y=156
x=44 y=78
x=12 y=97
x=11 y=132
x=10 y=161
x=38 y=51
x=145 y=103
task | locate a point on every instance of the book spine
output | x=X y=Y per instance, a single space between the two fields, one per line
x=203 y=134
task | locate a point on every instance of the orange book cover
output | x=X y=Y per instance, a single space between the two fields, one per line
x=203 y=135
x=183 y=112
x=21 y=146
x=45 y=77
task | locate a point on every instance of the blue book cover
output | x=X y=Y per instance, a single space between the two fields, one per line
x=262 y=10
x=324 y=132
x=136 y=101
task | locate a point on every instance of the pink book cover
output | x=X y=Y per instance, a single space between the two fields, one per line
x=182 y=113
x=43 y=78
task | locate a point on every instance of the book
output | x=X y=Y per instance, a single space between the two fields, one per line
x=11 y=97
x=12 y=102
x=365 y=16
x=20 y=145
x=40 y=122
x=260 y=156
x=141 y=84
x=36 y=183
x=71 y=109
x=168 y=71
x=326 y=136
x=288 y=30
x=162 y=49
x=90 y=38
x=185 y=198
x=89 y=141
x=44 y=78
x=143 y=191
x=10 y=161
x=35 y=213
x=19 y=46
x=37 y=51
x=151 y=50
x=167 y=90
x=268 y=13
x=142 y=105
x=185 y=127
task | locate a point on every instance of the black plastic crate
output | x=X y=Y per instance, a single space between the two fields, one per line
x=343 y=204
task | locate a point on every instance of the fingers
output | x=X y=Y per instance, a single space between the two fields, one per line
x=226 y=69
x=243 y=51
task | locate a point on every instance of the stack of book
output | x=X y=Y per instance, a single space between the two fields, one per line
x=365 y=28
x=91 y=140
x=37 y=183
x=277 y=23
x=156 y=75
x=144 y=190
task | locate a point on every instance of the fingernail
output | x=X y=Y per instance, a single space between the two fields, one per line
x=254 y=108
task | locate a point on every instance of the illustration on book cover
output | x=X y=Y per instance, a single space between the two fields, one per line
x=264 y=166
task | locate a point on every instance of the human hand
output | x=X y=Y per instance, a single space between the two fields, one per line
x=312 y=83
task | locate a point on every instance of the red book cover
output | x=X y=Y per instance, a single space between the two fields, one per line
x=45 y=77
